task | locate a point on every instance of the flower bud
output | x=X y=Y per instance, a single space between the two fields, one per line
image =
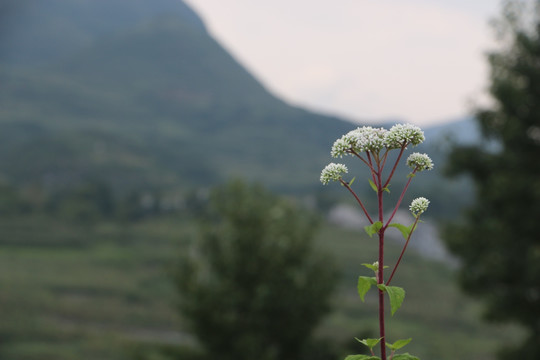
x=419 y=161
x=419 y=205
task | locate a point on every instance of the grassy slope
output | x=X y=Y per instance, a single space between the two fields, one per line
x=71 y=292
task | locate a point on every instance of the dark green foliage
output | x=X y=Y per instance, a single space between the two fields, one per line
x=498 y=240
x=255 y=288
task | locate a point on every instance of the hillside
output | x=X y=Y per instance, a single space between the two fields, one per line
x=139 y=95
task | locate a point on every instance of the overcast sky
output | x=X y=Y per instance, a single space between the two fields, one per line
x=415 y=60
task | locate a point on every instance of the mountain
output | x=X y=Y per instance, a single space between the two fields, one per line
x=35 y=32
x=462 y=131
x=138 y=94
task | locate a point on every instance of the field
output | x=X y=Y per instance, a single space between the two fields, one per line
x=104 y=291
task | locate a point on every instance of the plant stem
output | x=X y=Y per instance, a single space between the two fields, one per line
x=395 y=165
x=400 y=198
x=373 y=172
x=344 y=183
x=380 y=276
x=361 y=158
x=385 y=156
x=402 y=251
x=381 y=296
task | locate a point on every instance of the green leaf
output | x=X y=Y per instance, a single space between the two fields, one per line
x=399 y=344
x=411 y=175
x=405 y=230
x=371 y=266
x=373 y=186
x=387 y=189
x=351 y=182
x=370 y=343
x=362 y=357
x=396 y=295
x=364 y=284
x=373 y=228
x=405 y=356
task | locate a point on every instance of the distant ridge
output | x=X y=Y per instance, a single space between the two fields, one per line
x=137 y=93
x=464 y=131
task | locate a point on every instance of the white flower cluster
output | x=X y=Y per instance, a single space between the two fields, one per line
x=419 y=161
x=333 y=172
x=419 y=205
x=404 y=134
x=367 y=138
x=340 y=147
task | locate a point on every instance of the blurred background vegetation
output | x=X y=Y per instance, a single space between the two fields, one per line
x=118 y=117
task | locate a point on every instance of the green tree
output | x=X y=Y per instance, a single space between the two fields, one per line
x=254 y=288
x=498 y=239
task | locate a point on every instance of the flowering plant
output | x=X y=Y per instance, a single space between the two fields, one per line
x=372 y=146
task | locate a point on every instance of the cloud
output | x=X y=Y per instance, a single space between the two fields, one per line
x=361 y=58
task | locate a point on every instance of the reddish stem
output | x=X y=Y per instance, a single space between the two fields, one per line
x=385 y=156
x=395 y=165
x=400 y=198
x=380 y=277
x=373 y=172
x=344 y=183
x=361 y=158
x=381 y=323
x=402 y=251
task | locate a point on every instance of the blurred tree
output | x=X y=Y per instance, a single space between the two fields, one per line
x=254 y=288
x=498 y=240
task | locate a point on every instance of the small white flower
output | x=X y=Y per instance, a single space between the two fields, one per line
x=333 y=172
x=367 y=138
x=340 y=147
x=419 y=205
x=404 y=134
x=419 y=161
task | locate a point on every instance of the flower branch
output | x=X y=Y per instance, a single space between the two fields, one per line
x=377 y=143
x=348 y=187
